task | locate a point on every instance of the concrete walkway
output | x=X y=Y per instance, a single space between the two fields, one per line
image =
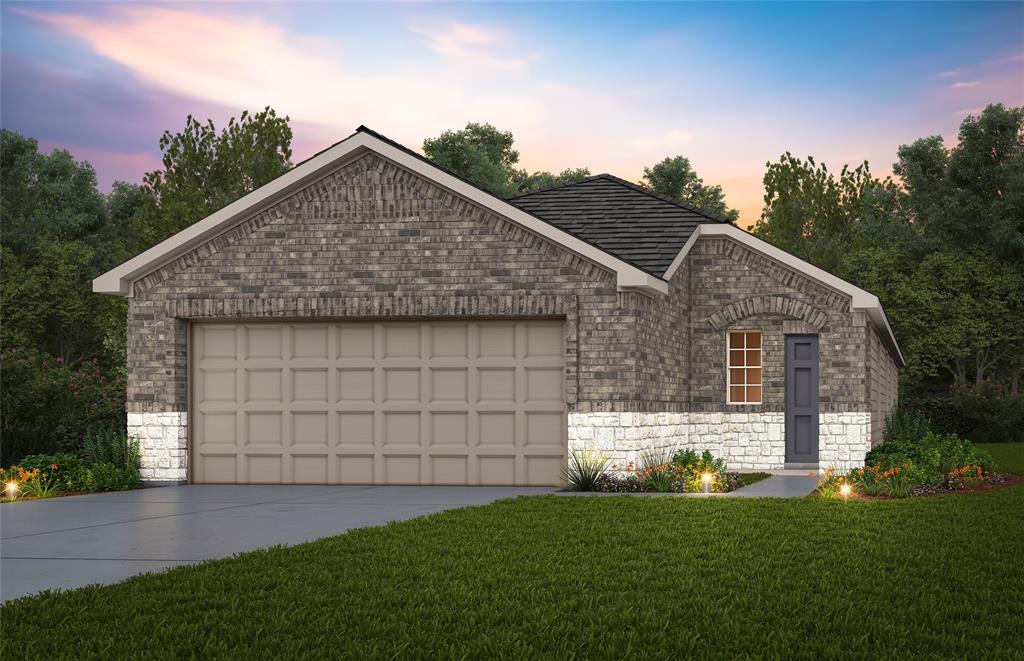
x=105 y=538
x=778 y=486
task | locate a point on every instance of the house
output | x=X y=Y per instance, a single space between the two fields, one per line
x=370 y=318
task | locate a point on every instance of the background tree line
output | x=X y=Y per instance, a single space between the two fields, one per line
x=942 y=246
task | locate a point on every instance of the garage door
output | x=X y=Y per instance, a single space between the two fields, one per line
x=378 y=403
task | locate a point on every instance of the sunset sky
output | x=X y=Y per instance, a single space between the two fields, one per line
x=612 y=87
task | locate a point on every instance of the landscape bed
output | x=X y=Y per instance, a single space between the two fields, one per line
x=580 y=578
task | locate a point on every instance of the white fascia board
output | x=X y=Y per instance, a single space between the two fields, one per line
x=859 y=299
x=119 y=280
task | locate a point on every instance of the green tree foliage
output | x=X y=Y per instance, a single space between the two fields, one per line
x=943 y=248
x=205 y=171
x=45 y=195
x=676 y=178
x=815 y=214
x=484 y=155
x=58 y=232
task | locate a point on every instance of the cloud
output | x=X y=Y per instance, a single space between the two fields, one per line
x=672 y=139
x=468 y=45
x=950 y=73
x=964 y=85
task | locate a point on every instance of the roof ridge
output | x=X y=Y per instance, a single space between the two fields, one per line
x=556 y=186
x=666 y=198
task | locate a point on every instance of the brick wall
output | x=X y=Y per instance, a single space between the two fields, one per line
x=883 y=384
x=373 y=239
x=732 y=287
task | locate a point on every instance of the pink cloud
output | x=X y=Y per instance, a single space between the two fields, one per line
x=964 y=85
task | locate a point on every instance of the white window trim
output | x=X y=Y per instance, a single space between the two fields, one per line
x=729 y=368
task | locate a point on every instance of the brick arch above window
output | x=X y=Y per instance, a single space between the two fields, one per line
x=769 y=304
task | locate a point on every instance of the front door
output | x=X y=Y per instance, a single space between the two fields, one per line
x=802 y=399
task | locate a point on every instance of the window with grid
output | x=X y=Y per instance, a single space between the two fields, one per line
x=744 y=380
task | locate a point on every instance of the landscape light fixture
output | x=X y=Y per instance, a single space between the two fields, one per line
x=845 y=490
x=706 y=479
x=12 y=489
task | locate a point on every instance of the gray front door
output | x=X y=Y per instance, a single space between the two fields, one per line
x=801 y=398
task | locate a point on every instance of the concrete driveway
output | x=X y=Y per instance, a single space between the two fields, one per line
x=104 y=538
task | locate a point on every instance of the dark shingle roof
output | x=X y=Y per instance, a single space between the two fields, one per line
x=619 y=217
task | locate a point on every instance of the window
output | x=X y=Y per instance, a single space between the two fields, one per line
x=744 y=380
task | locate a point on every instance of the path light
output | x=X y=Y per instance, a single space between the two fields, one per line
x=12 y=489
x=706 y=479
x=845 y=490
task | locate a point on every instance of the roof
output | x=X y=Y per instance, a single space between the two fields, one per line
x=119 y=280
x=631 y=222
x=635 y=233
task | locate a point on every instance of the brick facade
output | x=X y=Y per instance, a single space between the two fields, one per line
x=373 y=240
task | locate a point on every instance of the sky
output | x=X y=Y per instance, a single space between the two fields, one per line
x=611 y=87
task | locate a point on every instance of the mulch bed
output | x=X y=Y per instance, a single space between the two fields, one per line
x=997 y=481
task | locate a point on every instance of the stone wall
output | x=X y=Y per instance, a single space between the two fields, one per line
x=747 y=441
x=163 y=444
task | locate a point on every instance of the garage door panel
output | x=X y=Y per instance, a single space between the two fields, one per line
x=446 y=469
x=402 y=469
x=451 y=402
x=264 y=468
x=355 y=428
x=264 y=341
x=356 y=469
x=309 y=384
x=355 y=384
x=263 y=385
x=309 y=341
x=449 y=341
x=497 y=469
x=401 y=385
x=263 y=428
x=544 y=469
x=449 y=428
x=309 y=469
x=217 y=468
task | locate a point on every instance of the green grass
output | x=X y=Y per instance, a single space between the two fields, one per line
x=750 y=478
x=1009 y=456
x=560 y=577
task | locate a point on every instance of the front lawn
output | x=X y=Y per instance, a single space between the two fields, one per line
x=559 y=577
x=1009 y=457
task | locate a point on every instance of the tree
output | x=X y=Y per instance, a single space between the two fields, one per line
x=205 y=171
x=484 y=156
x=676 y=178
x=45 y=195
x=523 y=182
x=814 y=214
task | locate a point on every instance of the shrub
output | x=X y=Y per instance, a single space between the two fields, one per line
x=42 y=398
x=33 y=482
x=829 y=484
x=933 y=454
x=867 y=480
x=656 y=471
x=584 y=469
x=628 y=483
x=112 y=447
x=111 y=464
x=897 y=481
x=988 y=412
x=904 y=424
x=108 y=477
